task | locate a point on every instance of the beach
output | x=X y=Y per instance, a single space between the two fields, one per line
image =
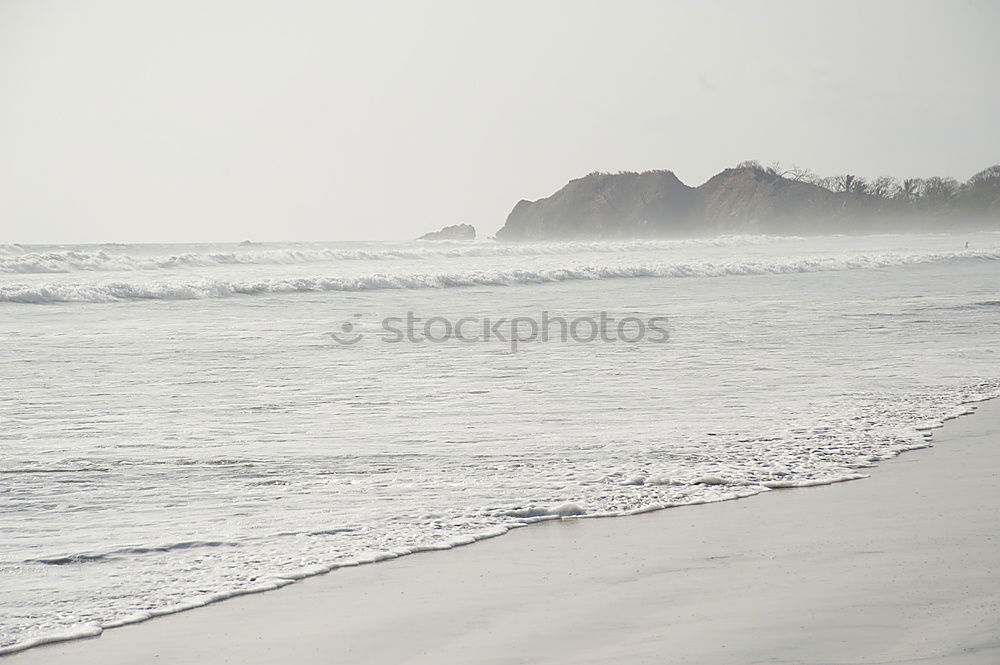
x=901 y=567
x=379 y=333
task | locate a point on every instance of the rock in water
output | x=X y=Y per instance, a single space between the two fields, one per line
x=455 y=232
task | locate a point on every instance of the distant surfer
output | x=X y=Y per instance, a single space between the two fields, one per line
x=967 y=244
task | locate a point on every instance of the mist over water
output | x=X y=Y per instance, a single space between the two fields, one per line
x=179 y=425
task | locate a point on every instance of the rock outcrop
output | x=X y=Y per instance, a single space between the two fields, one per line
x=455 y=232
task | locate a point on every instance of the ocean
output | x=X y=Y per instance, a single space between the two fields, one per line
x=180 y=424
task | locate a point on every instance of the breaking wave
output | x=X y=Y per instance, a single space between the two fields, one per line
x=210 y=288
x=26 y=260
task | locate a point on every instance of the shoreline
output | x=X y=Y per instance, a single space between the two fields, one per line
x=335 y=593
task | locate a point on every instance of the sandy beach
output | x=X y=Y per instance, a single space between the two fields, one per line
x=902 y=567
x=451 y=333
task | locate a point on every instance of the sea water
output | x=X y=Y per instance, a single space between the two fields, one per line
x=184 y=423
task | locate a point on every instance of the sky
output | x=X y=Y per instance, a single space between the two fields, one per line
x=225 y=120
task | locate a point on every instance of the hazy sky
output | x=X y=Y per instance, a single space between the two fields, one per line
x=131 y=120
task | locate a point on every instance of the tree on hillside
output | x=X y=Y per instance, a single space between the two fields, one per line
x=909 y=189
x=826 y=183
x=884 y=186
x=987 y=175
x=981 y=194
x=938 y=189
x=851 y=184
x=798 y=173
x=757 y=167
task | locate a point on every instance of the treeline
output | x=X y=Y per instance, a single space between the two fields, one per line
x=983 y=188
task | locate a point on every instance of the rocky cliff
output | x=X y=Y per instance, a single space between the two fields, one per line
x=745 y=199
x=602 y=205
x=749 y=200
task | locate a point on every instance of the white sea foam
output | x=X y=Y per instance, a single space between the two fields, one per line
x=76 y=632
x=20 y=259
x=213 y=288
x=980 y=392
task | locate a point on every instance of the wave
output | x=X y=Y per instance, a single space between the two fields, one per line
x=19 y=259
x=209 y=288
x=89 y=557
x=520 y=517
